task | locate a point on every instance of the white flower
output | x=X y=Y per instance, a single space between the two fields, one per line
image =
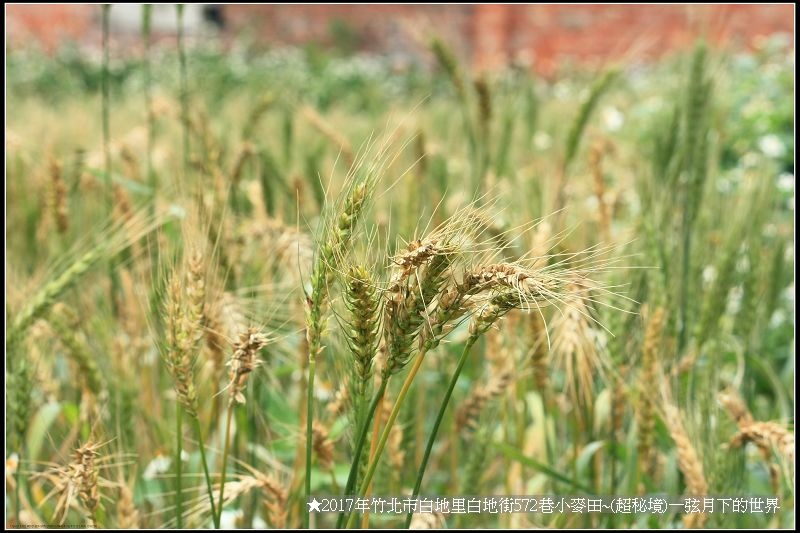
x=724 y=185
x=613 y=119
x=542 y=141
x=709 y=275
x=743 y=264
x=324 y=390
x=562 y=91
x=770 y=230
x=778 y=318
x=735 y=300
x=786 y=182
x=151 y=356
x=229 y=518
x=750 y=159
x=592 y=203
x=159 y=465
x=633 y=201
x=771 y=145
x=177 y=211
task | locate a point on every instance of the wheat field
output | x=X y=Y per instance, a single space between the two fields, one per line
x=237 y=280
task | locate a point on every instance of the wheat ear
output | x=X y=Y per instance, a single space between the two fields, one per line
x=243 y=361
x=689 y=463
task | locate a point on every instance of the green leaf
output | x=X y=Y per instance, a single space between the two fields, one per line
x=40 y=425
x=517 y=455
x=129 y=184
x=586 y=455
x=280 y=413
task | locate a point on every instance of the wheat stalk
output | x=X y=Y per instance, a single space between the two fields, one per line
x=275 y=495
x=362 y=328
x=596 y=163
x=538 y=353
x=468 y=414
x=769 y=437
x=645 y=415
x=689 y=463
x=243 y=361
x=503 y=287
x=420 y=270
x=59 y=197
x=575 y=348
x=79 y=480
x=127 y=515
x=322 y=445
x=109 y=243
x=329 y=131
x=89 y=372
x=340 y=225
x=87 y=475
x=185 y=304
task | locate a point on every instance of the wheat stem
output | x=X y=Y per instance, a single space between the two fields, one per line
x=201 y=443
x=695 y=154
x=312 y=367
x=376 y=426
x=225 y=452
x=335 y=243
x=178 y=467
x=242 y=363
x=362 y=439
x=105 y=108
x=16 y=494
x=439 y=417
x=385 y=435
x=106 y=119
x=184 y=90
x=147 y=16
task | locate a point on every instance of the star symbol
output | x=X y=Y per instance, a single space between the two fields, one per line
x=313 y=505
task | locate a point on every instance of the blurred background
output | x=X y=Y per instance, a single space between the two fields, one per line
x=487 y=36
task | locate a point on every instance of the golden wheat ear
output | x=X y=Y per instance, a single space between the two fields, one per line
x=243 y=361
x=771 y=438
x=690 y=460
x=184 y=306
x=689 y=463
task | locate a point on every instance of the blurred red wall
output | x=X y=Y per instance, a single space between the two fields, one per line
x=49 y=24
x=487 y=35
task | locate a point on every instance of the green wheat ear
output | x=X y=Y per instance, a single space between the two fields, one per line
x=449 y=63
x=18 y=394
x=88 y=369
x=362 y=326
x=598 y=89
x=52 y=290
x=109 y=243
x=339 y=225
x=694 y=166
